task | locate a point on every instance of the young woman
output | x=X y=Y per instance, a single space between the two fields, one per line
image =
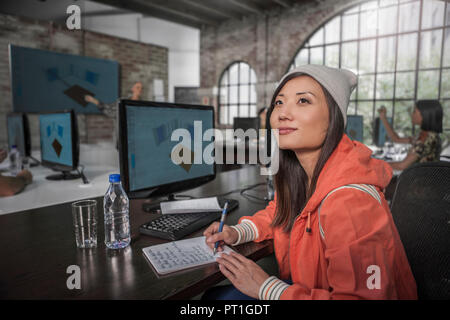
x=427 y=146
x=334 y=236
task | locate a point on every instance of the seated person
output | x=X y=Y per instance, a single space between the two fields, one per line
x=12 y=185
x=427 y=145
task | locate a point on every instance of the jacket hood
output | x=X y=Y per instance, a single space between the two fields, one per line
x=350 y=163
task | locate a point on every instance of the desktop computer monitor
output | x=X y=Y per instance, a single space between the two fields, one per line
x=59 y=143
x=379 y=133
x=246 y=123
x=19 y=133
x=146 y=147
x=354 y=128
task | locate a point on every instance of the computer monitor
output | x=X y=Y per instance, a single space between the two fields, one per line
x=354 y=128
x=60 y=143
x=246 y=123
x=146 y=147
x=379 y=132
x=19 y=133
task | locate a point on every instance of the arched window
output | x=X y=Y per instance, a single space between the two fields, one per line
x=237 y=93
x=400 y=51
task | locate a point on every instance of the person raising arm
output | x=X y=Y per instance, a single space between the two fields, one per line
x=427 y=146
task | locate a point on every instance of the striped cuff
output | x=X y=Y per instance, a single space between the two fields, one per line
x=246 y=230
x=272 y=289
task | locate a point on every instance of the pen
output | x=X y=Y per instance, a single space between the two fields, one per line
x=222 y=221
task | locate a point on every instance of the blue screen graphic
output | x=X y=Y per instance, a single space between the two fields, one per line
x=354 y=129
x=150 y=147
x=16 y=133
x=52 y=81
x=56 y=138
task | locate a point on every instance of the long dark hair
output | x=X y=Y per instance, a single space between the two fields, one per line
x=431 y=112
x=291 y=181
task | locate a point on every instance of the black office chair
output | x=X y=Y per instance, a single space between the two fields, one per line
x=421 y=211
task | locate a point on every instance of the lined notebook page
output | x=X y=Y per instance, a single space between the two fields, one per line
x=179 y=255
x=188 y=206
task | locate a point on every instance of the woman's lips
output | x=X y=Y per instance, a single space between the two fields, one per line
x=284 y=131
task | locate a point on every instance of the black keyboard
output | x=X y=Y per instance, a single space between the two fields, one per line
x=177 y=226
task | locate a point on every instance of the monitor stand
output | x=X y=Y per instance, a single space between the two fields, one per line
x=35 y=163
x=155 y=207
x=65 y=175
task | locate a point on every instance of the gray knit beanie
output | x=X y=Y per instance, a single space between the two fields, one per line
x=338 y=82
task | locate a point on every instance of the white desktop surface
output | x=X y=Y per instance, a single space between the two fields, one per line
x=99 y=161
x=43 y=192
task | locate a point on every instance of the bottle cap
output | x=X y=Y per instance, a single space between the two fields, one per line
x=114 y=177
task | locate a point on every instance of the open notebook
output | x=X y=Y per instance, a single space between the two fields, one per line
x=179 y=255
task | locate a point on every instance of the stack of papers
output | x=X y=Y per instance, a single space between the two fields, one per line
x=190 y=206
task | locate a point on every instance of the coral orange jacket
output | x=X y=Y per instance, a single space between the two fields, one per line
x=361 y=255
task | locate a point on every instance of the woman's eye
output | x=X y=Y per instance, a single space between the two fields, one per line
x=278 y=102
x=303 y=100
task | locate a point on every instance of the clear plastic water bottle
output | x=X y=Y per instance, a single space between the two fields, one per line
x=116 y=210
x=15 y=161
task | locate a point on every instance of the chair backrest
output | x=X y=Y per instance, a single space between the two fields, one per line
x=421 y=212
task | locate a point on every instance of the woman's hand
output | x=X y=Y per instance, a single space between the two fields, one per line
x=243 y=273
x=212 y=234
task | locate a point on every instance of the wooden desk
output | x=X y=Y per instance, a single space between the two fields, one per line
x=37 y=247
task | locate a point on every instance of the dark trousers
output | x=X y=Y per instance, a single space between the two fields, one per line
x=228 y=292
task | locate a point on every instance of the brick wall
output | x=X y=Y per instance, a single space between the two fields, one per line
x=137 y=61
x=247 y=40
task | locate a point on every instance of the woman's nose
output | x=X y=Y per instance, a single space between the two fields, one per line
x=285 y=113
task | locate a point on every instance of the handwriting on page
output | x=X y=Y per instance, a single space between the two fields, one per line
x=182 y=254
x=174 y=256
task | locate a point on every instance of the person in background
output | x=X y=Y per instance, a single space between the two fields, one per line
x=427 y=145
x=110 y=109
x=12 y=185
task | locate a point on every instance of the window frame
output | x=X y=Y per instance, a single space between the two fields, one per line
x=239 y=84
x=356 y=10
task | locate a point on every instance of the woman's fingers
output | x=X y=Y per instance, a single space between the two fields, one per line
x=227 y=273
x=236 y=263
x=212 y=229
x=238 y=257
x=232 y=264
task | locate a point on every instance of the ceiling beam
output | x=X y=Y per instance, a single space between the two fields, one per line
x=176 y=10
x=283 y=3
x=212 y=10
x=154 y=11
x=250 y=7
x=112 y=12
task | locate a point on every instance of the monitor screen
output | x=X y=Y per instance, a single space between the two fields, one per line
x=380 y=133
x=18 y=133
x=57 y=139
x=53 y=81
x=246 y=123
x=146 y=140
x=354 y=128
